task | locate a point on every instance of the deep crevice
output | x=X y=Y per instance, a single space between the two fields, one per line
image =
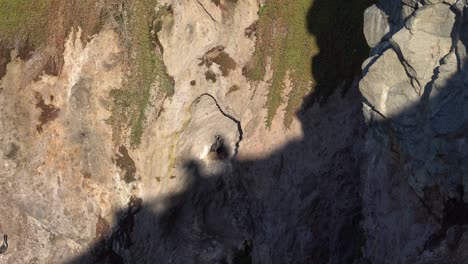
x=235 y=120
x=206 y=11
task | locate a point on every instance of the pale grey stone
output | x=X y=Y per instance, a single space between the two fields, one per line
x=411 y=3
x=407 y=11
x=432 y=2
x=420 y=53
x=376 y=84
x=437 y=20
x=376 y=25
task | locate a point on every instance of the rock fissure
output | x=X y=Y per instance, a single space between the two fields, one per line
x=232 y=118
x=409 y=70
x=206 y=11
x=373 y=108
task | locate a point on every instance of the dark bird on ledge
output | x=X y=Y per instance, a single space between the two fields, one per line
x=218 y=150
x=4 y=245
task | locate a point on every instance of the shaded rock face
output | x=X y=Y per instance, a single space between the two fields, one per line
x=415 y=179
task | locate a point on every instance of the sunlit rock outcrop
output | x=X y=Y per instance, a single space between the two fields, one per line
x=416 y=178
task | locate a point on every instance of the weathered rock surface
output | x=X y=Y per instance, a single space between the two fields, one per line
x=57 y=171
x=375 y=25
x=209 y=183
x=415 y=178
x=70 y=194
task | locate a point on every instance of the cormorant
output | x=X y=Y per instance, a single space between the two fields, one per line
x=4 y=245
x=218 y=150
x=219 y=141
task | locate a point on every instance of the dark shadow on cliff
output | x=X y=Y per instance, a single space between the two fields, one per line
x=299 y=204
x=337 y=26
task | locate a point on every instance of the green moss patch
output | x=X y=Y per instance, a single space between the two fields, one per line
x=317 y=44
x=28 y=25
x=283 y=38
x=24 y=19
x=140 y=25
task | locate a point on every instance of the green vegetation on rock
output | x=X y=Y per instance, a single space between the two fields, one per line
x=282 y=37
x=28 y=24
x=32 y=25
x=147 y=72
x=22 y=20
x=316 y=44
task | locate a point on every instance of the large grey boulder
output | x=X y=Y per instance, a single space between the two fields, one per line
x=426 y=41
x=376 y=25
x=437 y=20
x=388 y=91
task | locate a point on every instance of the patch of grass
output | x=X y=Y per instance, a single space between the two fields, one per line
x=282 y=37
x=22 y=20
x=318 y=43
x=140 y=25
x=28 y=25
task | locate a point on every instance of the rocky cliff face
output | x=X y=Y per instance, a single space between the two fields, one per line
x=142 y=132
x=148 y=143
x=414 y=87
